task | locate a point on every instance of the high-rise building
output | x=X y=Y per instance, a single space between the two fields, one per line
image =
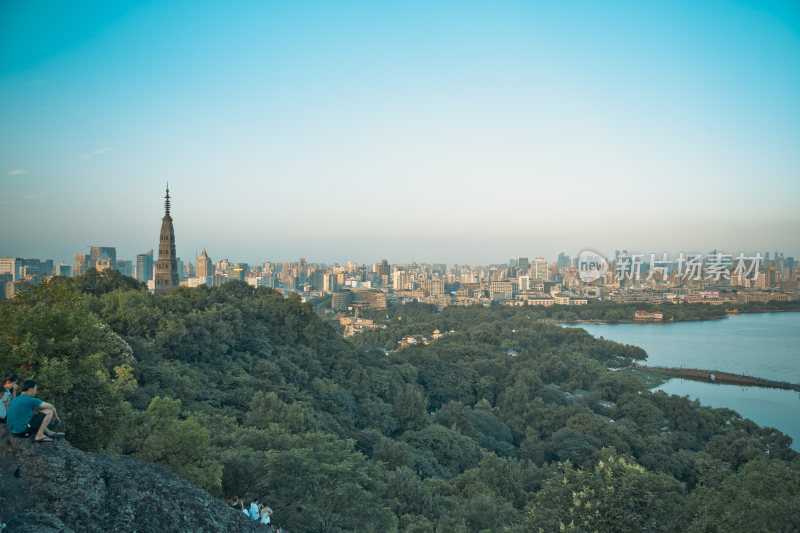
x=63 y=270
x=432 y=286
x=317 y=280
x=42 y=267
x=125 y=267
x=167 y=266
x=329 y=282
x=12 y=266
x=102 y=264
x=204 y=267
x=382 y=268
x=81 y=264
x=103 y=252
x=403 y=281
x=21 y=268
x=501 y=290
x=302 y=271
x=539 y=270
x=184 y=270
x=469 y=276
x=144 y=266
x=15 y=270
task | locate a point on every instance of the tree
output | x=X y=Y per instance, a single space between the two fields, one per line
x=415 y=524
x=617 y=495
x=409 y=493
x=320 y=483
x=570 y=445
x=98 y=283
x=265 y=409
x=48 y=334
x=161 y=436
x=410 y=407
x=763 y=496
x=613 y=385
x=642 y=412
x=446 y=447
x=394 y=453
x=273 y=395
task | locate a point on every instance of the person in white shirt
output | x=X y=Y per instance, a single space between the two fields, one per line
x=266 y=512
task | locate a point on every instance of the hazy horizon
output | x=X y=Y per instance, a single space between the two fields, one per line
x=451 y=132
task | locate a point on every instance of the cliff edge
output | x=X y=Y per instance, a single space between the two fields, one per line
x=53 y=487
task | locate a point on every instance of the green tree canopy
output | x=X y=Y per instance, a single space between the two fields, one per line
x=48 y=334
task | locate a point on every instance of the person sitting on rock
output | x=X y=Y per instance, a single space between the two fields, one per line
x=23 y=423
x=237 y=503
x=265 y=513
x=254 y=510
x=8 y=391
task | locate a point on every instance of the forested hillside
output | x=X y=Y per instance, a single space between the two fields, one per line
x=605 y=311
x=246 y=392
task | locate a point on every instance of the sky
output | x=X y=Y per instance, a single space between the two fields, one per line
x=456 y=132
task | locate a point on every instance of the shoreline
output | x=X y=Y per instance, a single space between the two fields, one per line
x=694 y=319
x=612 y=322
x=724 y=378
x=769 y=311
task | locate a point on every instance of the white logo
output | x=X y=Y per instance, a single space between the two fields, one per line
x=591 y=266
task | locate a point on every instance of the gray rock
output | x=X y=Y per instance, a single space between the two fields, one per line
x=53 y=487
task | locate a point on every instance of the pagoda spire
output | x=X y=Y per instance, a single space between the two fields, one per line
x=166 y=277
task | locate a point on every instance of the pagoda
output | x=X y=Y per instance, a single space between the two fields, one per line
x=167 y=266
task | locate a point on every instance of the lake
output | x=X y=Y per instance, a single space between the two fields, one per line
x=765 y=345
x=775 y=408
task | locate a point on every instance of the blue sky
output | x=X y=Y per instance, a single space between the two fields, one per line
x=428 y=131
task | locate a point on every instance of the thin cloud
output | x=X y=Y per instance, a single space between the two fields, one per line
x=17 y=172
x=97 y=152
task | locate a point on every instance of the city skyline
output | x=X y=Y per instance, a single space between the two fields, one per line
x=456 y=133
x=644 y=255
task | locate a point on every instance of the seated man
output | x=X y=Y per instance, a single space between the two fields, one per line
x=21 y=420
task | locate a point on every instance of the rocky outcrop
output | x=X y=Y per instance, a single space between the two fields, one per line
x=54 y=487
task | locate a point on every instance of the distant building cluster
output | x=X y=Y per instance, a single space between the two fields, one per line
x=351 y=286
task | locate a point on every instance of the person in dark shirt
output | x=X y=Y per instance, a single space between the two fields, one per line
x=237 y=503
x=20 y=418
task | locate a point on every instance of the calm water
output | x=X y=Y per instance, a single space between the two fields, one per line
x=765 y=345
x=766 y=407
